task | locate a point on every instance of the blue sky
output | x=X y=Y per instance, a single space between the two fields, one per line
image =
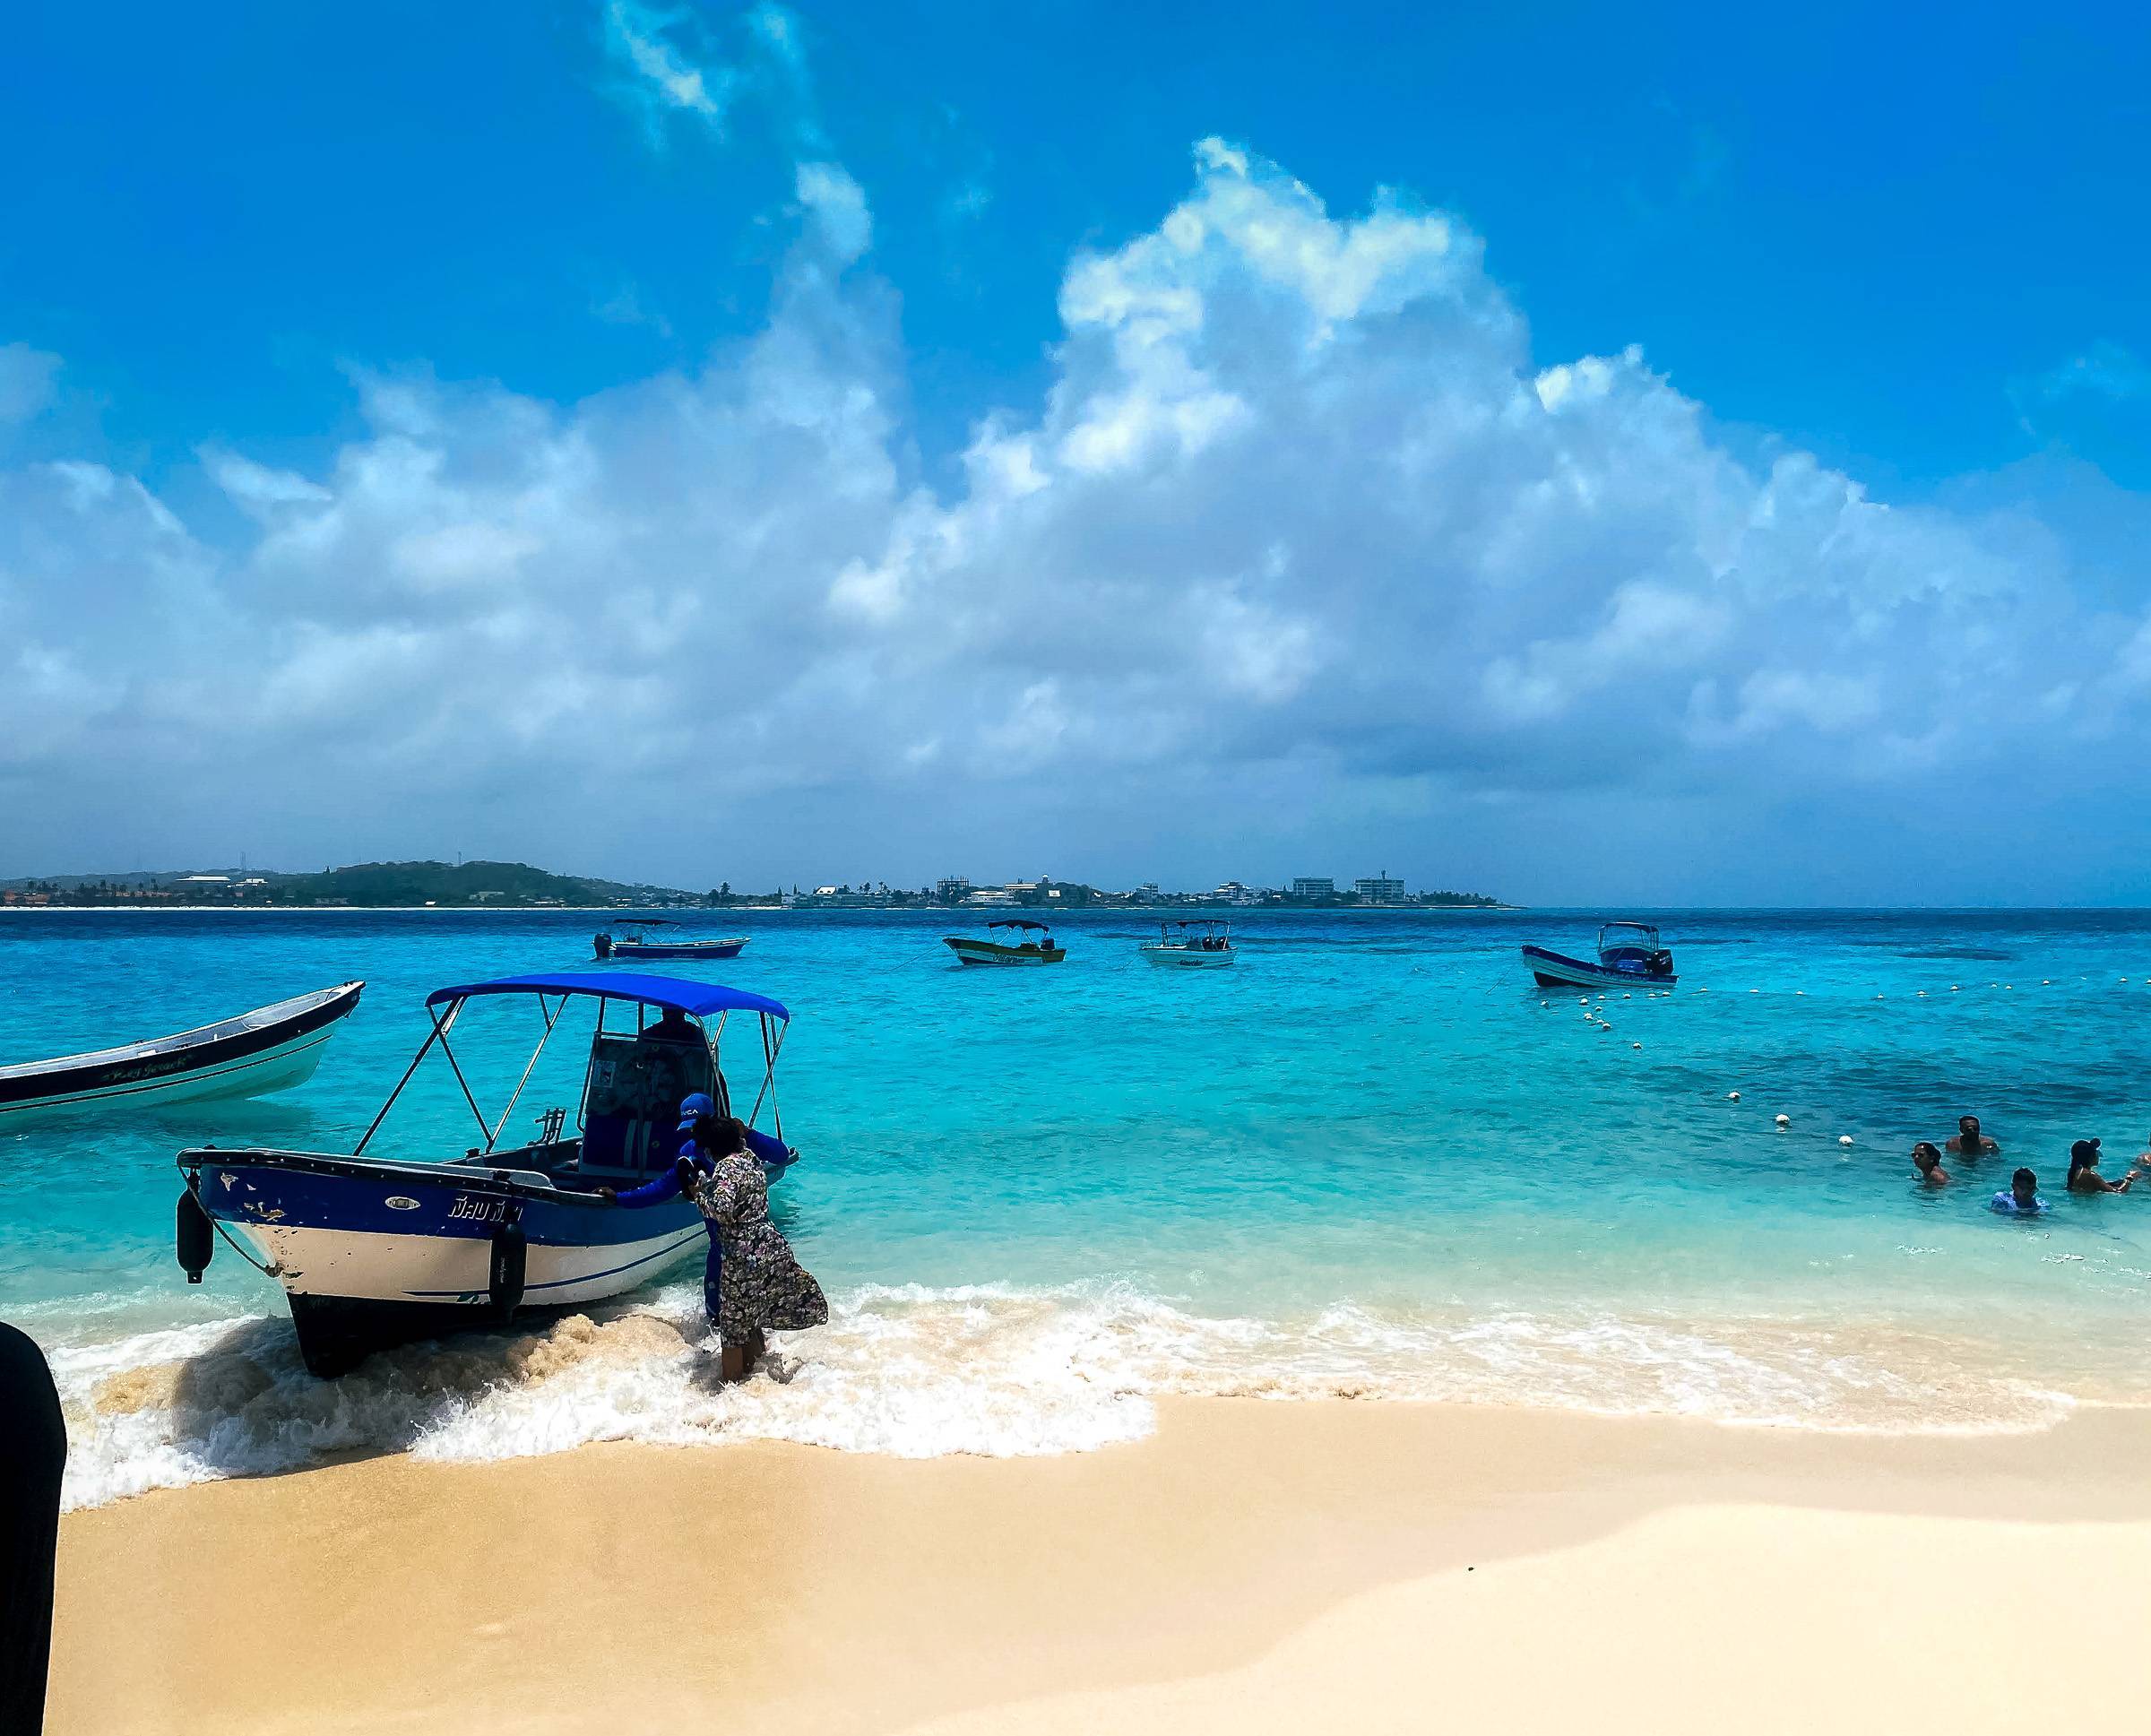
x=408 y=401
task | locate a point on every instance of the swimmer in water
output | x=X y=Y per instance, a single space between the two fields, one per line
x=1967 y=1141
x=2022 y=1198
x=2084 y=1176
x=1927 y=1159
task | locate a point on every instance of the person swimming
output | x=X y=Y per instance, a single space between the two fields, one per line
x=1927 y=1159
x=2084 y=1176
x=2020 y=1198
x=1968 y=1141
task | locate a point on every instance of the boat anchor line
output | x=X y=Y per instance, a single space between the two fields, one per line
x=275 y=1269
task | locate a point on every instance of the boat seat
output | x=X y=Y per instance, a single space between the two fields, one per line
x=631 y=1113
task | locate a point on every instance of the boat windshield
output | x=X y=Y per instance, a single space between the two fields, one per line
x=1628 y=934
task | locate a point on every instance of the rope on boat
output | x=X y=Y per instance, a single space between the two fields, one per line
x=194 y=1187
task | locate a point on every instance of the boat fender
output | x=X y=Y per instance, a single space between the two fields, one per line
x=505 y=1274
x=194 y=1238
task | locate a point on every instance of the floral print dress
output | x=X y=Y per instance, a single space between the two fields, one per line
x=762 y=1285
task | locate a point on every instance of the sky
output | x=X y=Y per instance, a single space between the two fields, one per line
x=1591 y=455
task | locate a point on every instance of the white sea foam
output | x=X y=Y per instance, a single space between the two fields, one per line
x=1002 y=1370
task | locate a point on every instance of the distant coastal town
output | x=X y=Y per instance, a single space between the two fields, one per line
x=516 y=885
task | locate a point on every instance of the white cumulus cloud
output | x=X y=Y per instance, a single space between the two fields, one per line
x=1299 y=524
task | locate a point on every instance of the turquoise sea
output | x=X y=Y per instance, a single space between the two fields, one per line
x=1370 y=1160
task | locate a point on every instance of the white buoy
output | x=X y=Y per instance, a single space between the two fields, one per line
x=1635 y=1045
x=1845 y=1139
x=1784 y=1121
x=1732 y=1097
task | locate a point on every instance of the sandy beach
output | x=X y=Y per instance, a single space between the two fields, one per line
x=1252 y=1567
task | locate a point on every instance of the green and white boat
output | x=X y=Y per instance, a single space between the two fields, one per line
x=1039 y=951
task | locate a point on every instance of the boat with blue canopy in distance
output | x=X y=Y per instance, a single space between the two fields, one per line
x=1203 y=941
x=270 y=1049
x=1028 y=951
x=634 y=941
x=373 y=1252
x=1629 y=956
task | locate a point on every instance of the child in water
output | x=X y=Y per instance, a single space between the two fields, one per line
x=2022 y=1200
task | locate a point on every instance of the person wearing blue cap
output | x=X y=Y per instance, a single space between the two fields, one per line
x=698 y=1110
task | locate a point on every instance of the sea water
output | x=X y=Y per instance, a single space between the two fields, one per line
x=1368 y=1161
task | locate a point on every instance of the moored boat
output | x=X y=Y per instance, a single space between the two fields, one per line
x=270 y=1048
x=373 y=1252
x=634 y=941
x=1628 y=953
x=1041 y=951
x=1201 y=941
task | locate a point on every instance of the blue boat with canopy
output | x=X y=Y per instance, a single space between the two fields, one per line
x=374 y=1251
x=1628 y=954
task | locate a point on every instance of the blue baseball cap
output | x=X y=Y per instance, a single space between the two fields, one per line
x=693 y=1107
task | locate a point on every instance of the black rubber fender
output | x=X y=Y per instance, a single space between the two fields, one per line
x=507 y=1268
x=194 y=1236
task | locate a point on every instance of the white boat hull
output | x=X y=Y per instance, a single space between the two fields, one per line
x=254 y=1075
x=374 y=1266
x=1190 y=956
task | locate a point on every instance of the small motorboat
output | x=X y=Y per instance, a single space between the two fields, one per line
x=634 y=941
x=267 y=1050
x=1628 y=953
x=374 y=1251
x=1200 y=940
x=1041 y=951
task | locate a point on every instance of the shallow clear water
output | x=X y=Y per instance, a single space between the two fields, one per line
x=1367 y=1160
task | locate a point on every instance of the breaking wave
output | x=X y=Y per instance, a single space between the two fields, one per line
x=916 y=1372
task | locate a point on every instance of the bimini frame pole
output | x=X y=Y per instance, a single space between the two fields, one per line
x=440 y=1026
x=551 y=1019
x=769 y=1075
x=456 y=1069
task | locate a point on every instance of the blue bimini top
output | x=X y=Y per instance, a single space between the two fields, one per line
x=677 y=993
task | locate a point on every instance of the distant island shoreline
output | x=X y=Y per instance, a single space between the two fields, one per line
x=484 y=886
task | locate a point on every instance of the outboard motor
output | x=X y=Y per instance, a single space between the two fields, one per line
x=602 y=945
x=194 y=1238
x=510 y=1261
x=1660 y=963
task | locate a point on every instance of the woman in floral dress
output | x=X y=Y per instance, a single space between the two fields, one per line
x=763 y=1287
x=753 y=1282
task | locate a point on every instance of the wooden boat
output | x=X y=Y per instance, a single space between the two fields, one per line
x=373 y=1252
x=634 y=942
x=1041 y=951
x=267 y=1050
x=1203 y=941
x=1628 y=955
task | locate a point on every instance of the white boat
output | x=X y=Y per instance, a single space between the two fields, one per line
x=1201 y=941
x=270 y=1048
x=373 y=1252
